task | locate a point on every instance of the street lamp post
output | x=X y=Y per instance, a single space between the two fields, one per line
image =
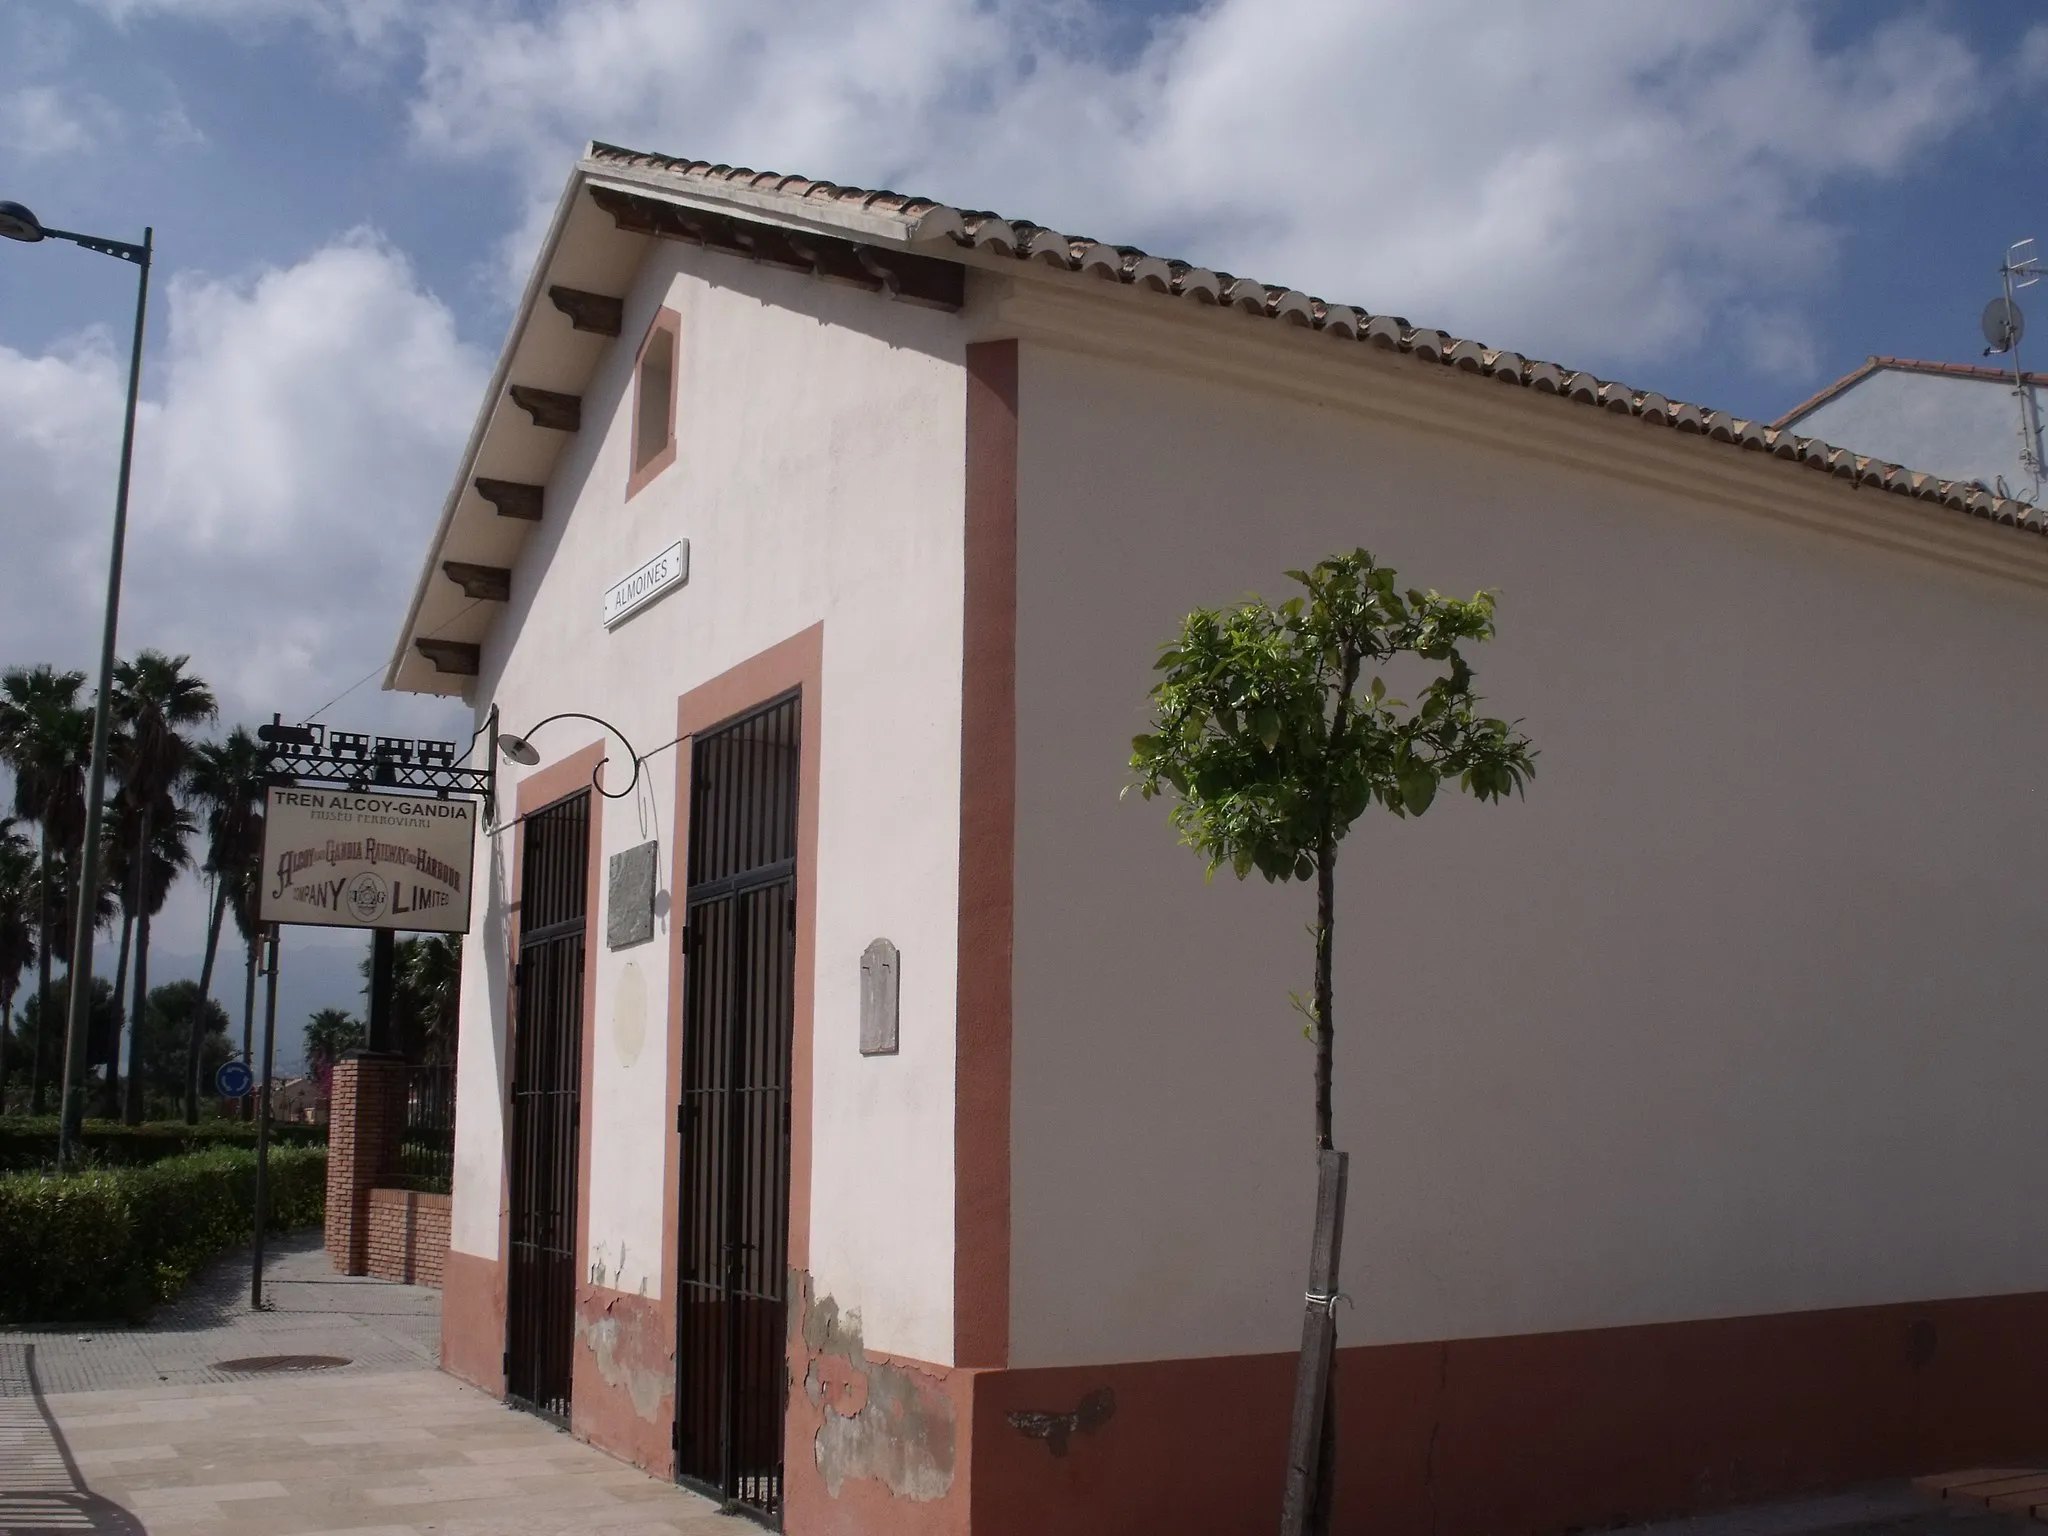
x=17 y=223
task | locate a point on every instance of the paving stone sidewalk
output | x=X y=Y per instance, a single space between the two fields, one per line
x=139 y=1431
x=312 y=1311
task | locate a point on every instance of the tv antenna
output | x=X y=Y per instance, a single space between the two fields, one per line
x=2004 y=323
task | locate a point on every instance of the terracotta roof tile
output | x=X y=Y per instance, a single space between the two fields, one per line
x=1023 y=240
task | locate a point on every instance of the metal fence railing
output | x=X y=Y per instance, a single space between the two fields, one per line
x=426 y=1152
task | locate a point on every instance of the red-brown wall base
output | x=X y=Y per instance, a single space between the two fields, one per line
x=1536 y=1434
x=1540 y=1433
x=473 y=1320
x=871 y=1443
x=622 y=1392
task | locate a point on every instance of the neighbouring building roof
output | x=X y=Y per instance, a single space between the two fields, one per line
x=923 y=219
x=1877 y=364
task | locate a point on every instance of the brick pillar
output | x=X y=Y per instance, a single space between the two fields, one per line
x=366 y=1119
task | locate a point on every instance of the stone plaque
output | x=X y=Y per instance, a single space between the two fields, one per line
x=629 y=905
x=880 y=971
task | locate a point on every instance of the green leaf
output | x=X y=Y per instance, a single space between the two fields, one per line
x=1417 y=790
x=1266 y=725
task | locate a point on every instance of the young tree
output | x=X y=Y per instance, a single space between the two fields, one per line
x=1272 y=733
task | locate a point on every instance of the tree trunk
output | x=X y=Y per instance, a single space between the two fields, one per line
x=195 y=1038
x=1309 y=1504
x=7 y=990
x=1326 y=1035
x=131 y=1107
x=37 y=1103
x=110 y=1103
x=249 y=1025
x=1323 y=1507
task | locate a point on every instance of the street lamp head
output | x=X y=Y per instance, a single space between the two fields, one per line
x=17 y=223
x=517 y=749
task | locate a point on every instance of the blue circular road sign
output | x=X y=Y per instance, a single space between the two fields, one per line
x=234 y=1080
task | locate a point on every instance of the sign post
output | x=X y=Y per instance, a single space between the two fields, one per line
x=273 y=936
x=359 y=832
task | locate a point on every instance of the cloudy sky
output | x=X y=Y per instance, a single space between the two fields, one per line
x=1732 y=203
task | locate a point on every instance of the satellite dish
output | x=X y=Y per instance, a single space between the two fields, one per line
x=2003 y=324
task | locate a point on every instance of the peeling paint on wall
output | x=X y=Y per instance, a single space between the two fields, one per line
x=892 y=1423
x=1056 y=1429
x=630 y=1352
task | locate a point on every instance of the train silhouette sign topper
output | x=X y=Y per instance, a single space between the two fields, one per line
x=357 y=835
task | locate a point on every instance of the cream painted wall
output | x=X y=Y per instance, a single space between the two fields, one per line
x=1735 y=1014
x=819 y=478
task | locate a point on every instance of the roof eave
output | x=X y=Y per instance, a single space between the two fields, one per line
x=767 y=207
x=494 y=393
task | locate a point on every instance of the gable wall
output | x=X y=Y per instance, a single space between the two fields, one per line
x=1729 y=1017
x=818 y=480
x=1955 y=427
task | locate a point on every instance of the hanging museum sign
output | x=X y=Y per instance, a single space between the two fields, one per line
x=346 y=858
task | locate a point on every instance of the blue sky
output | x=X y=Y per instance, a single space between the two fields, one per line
x=253 y=133
x=1732 y=203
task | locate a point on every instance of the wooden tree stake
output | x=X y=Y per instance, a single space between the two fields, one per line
x=1318 y=1349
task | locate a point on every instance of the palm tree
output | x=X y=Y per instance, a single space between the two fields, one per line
x=106 y=907
x=245 y=890
x=225 y=780
x=155 y=699
x=329 y=1033
x=114 y=858
x=20 y=897
x=430 y=982
x=426 y=991
x=144 y=890
x=46 y=741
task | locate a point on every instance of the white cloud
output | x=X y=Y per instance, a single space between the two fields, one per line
x=292 y=453
x=358 y=21
x=40 y=122
x=1587 y=180
x=1573 y=179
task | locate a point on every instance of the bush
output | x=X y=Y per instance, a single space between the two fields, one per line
x=27 y=1143
x=112 y=1242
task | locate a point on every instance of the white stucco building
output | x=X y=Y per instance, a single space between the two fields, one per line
x=1962 y=421
x=1692 y=1160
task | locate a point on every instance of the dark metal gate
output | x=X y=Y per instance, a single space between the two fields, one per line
x=739 y=969
x=547 y=1081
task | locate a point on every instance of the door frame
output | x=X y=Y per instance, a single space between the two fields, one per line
x=741 y=888
x=795 y=664
x=536 y=792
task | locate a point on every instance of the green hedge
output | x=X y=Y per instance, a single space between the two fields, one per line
x=112 y=1242
x=27 y=1143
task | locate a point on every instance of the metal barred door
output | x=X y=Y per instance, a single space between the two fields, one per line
x=739 y=976
x=547 y=1081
